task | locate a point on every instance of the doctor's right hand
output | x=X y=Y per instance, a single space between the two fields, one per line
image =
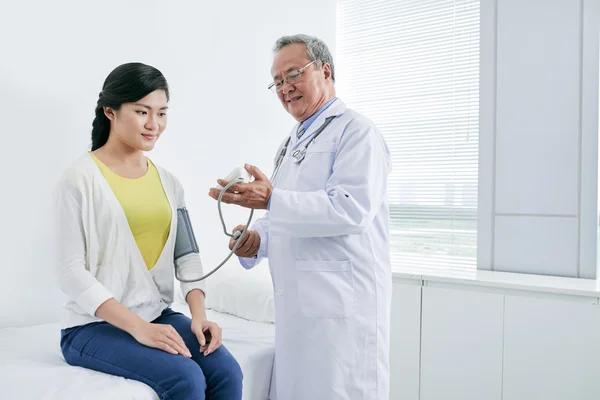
x=249 y=245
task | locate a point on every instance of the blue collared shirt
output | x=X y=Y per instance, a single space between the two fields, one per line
x=306 y=124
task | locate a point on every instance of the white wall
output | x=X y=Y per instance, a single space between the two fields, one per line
x=55 y=57
x=538 y=136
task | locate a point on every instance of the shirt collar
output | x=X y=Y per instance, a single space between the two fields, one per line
x=307 y=123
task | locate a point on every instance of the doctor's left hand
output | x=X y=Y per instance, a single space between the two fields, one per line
x=209 y=334
x=255 y=194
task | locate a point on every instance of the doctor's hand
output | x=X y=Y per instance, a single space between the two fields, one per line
x=254 y=195
x=249 y=245
x=209 y=335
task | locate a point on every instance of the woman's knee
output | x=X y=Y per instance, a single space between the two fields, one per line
x=225 y=372
x=234 y=371
x=186 y=381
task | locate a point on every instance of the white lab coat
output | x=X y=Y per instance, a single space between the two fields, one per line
x=326 y=236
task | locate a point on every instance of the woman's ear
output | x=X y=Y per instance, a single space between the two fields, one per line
x=110 y=113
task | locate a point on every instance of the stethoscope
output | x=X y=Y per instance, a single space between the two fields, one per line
x=300 y=154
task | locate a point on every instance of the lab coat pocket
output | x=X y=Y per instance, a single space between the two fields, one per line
x=325 y=288
x=110 y=278
x=315 y=170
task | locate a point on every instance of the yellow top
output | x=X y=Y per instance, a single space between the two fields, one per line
x=146 y=207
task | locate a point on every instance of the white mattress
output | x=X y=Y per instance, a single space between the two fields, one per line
x=32 y=366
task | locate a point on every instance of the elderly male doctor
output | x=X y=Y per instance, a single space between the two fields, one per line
x=325 y=235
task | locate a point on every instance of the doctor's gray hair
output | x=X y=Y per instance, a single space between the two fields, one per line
x=316 y=49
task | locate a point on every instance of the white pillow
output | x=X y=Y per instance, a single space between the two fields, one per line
x=244 y=293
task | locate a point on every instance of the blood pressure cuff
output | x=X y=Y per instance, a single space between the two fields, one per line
x=185 y=242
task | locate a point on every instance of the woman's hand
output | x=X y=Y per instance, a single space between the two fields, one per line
x=209 y=335
x=161 y=336
x=158 y=336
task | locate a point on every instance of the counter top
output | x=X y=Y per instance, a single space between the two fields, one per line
x=506 y=280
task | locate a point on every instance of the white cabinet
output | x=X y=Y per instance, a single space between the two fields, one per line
x=405 y=341
x=455 y=340
x=551 y=349
x=461 y=348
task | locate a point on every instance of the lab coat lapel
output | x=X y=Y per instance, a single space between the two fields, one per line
x=337 y=108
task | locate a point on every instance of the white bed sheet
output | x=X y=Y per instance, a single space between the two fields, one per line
x=32 y=366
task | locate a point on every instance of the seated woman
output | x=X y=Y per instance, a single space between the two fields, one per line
x=117 y=224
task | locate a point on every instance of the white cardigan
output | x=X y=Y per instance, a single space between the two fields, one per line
x=98 y=257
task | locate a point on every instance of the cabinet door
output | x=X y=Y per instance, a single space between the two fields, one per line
x=461 y=353
x=551 y=349
x=405 y=341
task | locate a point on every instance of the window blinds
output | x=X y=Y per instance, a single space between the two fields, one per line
x=412 y=66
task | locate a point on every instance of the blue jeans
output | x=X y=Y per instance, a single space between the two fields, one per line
x=106 y=348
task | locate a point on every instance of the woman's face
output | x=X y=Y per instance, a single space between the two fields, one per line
x=139 y=125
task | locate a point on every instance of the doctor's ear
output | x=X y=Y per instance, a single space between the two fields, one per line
x=110 y=113
x=326 y=71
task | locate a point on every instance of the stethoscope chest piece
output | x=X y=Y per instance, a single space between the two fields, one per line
x=299 y=155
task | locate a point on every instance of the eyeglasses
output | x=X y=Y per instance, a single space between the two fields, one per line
x=292 y=78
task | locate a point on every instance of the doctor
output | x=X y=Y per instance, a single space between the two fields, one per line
x=325 y=235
